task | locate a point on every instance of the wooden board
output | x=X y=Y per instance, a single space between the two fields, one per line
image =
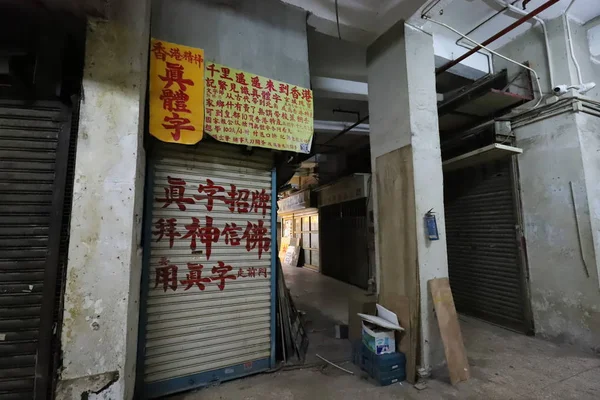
x=456 y=355
x=397 y=237
x=359 y=303
x=401 y=306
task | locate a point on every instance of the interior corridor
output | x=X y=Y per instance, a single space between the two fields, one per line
x=324 y=301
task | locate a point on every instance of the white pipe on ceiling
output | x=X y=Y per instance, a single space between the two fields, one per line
x=546 y=41
x=570 y=42
x=537 y=79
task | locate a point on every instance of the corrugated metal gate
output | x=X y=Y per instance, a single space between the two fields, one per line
x=484 y=261
x=34 y=147
x=207 y=283
x=344 y=247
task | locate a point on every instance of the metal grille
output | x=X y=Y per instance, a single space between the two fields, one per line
x=29 y=137
x=198 y=330
x=483 y=253
x=344 y=247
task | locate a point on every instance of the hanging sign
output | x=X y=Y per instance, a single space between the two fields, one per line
x=247 y=109
x=296 y=201
x=176 y=92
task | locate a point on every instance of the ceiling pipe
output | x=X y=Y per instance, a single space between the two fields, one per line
x=488 y=19
x=570 y=41
x=514 y=9
x=481 y=45
x=498 y=35
x=348 y=129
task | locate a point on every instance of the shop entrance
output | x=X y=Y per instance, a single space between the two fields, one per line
x=330 y=235
x=485 y=262
x=41 y=53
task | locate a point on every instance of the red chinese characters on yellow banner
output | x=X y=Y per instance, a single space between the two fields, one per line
x=247 y=109
x=176 y=92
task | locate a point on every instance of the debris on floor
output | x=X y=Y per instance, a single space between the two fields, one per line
x=341 y=331
x=335 y=365
x=421 y=385
x=292 y=341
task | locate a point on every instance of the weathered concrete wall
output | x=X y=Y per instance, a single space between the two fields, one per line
x=589 y=137
x=530 y=47
x=99 y=332
x=565 y=302
x=265 y=37
x=403 y=111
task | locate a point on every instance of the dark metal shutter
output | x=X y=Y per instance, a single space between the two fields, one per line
x=483 y=253
x=344 y=249
x=330 y=236
x=34 y=142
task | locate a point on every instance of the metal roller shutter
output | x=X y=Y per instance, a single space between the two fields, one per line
x=344 y=251
x=483 y=252
x=208 y=300
x=34 y=143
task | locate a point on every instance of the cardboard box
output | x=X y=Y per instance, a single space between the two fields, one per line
x=363 y=303
x=377 y=339
x=378 y=332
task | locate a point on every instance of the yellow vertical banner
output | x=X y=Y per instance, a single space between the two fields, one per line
x=247 y=109
x=176 y=92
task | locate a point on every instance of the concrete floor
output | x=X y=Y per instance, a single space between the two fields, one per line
x=325 y=302
x=504 y=364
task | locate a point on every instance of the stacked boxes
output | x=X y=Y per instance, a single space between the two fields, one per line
x=379 y=340
x=384 y=368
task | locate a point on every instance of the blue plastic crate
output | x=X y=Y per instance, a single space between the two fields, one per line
x=385 y=362
x=390 y=380
x=386 y=369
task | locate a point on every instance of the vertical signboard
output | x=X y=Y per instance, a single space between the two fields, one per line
x=176 y=92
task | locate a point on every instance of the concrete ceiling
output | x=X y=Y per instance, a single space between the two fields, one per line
x=92 y=8
x=338 y=67
x=359 y=20
x=464 y=15
x=364 y=20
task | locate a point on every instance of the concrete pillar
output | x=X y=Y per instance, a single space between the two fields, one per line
x=99 y=332
x=403 y=120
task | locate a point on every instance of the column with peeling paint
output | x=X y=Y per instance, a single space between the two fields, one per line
x=99 y=332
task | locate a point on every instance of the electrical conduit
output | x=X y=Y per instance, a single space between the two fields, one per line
x=514 y=9
x=570 y=42
x=482 y=46
x=493 y=38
